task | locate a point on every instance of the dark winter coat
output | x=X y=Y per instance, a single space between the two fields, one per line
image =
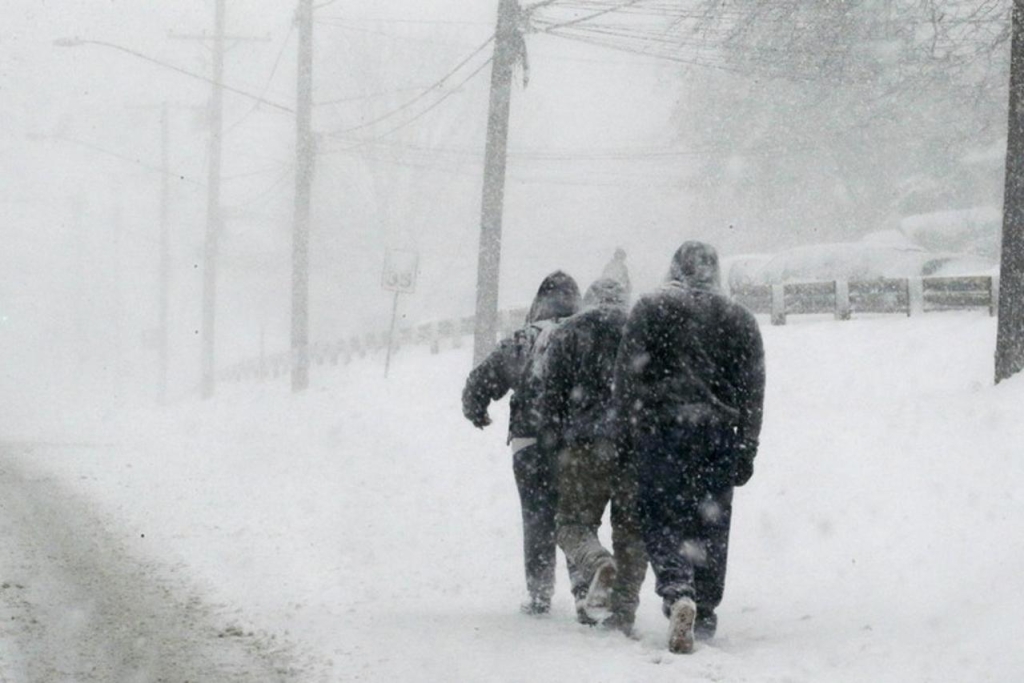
x=512 y=365
x=575 y=405
x=692 y=364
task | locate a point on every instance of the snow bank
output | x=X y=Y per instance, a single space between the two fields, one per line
x=369 y=523
x=975 y=230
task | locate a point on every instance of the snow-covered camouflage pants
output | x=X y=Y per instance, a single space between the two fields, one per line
x=589 y=478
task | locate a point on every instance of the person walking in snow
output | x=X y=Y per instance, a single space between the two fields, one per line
x=577 y=423
x=517 y=365
x=616 y=270
x=690 y=380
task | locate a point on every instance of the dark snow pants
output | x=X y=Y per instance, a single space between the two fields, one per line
x=538 y=496
x=589 y=478
x=685 y=508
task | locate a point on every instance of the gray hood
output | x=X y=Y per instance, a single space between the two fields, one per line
x=695 y=266
x=605 y=291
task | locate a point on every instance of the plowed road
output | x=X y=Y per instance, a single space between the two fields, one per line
x=75 y=606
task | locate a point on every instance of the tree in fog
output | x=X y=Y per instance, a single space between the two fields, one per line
x=831 y=119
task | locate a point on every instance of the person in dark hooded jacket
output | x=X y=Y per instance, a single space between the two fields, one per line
x=517 y=365
x=577 y=421
x=690 y=383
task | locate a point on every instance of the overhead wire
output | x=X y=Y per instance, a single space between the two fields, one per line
x=426 y=92
x=628 y=33
x=405 y=40
x=397 y=20
x=266 y=194
x=152 y=168
x=369 y=96
x=178 y=69
x=266 y=86
x=423 y=112
x=595 y=15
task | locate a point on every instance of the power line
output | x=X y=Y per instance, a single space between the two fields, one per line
x=124 y=157
x=426 y=92
x=423 y=113
x=370 y=96
x=402 y=39
x=595 y=15
x=259 y=199
x=71 y=42
x=588 y=156
x=693 y=61
x=266 y=86
x=249 y=174
x=395 y=20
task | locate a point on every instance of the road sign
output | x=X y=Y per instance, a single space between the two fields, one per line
x=400 y=269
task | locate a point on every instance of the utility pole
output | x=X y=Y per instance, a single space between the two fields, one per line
x=164 y=242
x=214 y=216
x=119 y=361
x=214 y=219
x=165 y=257
x=305 y=153
x=495 y=158
x=1009 y=355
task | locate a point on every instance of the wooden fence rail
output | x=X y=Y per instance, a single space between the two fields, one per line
x=906 y=296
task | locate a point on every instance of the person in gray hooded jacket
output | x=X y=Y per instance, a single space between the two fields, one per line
x=578 y=423
x=690 y=380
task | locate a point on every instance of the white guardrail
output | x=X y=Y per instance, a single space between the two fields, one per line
x=842 y=299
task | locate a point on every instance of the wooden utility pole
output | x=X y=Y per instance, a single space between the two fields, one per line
x=214 y=218
x=165 y=254
x=214 y=215
x=305 y=153
x=495 y=157
x=164 y=240
x=1010 y=336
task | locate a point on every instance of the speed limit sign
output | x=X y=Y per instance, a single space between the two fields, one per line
x=400 y=269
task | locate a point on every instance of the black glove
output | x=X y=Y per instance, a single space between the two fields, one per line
x=480 y=420
x=549 y=440
x=743 y=467
x=742 y=471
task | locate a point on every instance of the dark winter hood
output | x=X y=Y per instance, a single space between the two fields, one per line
x=557 y=297
x=695 y=266
x=605 y=292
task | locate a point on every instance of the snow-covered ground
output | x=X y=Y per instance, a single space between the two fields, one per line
x=370 y=526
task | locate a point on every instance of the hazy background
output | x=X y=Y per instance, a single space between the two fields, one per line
x=817 y=122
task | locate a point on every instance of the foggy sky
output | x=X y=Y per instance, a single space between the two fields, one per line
x=80 y=189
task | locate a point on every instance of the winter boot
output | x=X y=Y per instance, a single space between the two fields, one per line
x=599 y=595
x=582 y=617
x=579 y=594
x=706 y=624
x=536 y=606
x=619 y=622
x=680 y=626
